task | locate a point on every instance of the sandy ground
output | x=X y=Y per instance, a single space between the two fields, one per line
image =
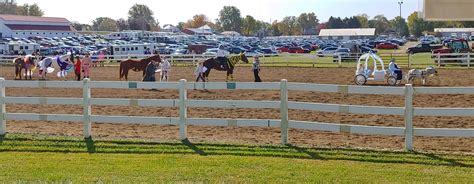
x=253 y=135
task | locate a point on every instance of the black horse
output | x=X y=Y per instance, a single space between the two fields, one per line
x=212 y=63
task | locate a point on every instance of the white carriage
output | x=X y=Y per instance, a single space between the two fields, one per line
x=364 y=72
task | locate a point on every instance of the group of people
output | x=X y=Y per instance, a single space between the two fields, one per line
x=82 y=66
x=165 y=67
x=152 y=68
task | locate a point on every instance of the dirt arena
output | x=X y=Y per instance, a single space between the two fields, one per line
x=252 y=135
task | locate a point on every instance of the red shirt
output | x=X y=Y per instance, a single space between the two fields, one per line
x=77 y=66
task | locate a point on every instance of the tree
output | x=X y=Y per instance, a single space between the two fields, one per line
x=197 y=21
x=8 y=7
x=229 y=19
x=351 y=22
x=275 y=30
x=289 y=26
x=335 y=23
x=180 y=25
x=122 y=24
x=140 y=17
x=399 y=24
x=250 y=26
x=307 y=22
x=363 y=20
x=380 y=23
x=417 y=26
x=104 y=24
x=321 y=26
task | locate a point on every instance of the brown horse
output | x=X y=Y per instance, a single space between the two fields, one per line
x=136 y=66
x=212 y=63
x=25 y=63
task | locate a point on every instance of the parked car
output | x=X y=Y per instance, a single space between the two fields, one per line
x=298 y=50
x=387 y=45
x=344 y=53
x=471 y=38
x=327 y=51
x=211 y=52
x=422 y=47
x=284 y=49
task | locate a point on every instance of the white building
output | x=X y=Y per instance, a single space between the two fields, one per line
x=347 y=34
x=29 y=26
x=455 y=32
x=170 y=28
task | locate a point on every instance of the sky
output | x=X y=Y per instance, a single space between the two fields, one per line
x=174 y=11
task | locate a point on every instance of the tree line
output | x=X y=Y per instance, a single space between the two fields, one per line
x=141 y=17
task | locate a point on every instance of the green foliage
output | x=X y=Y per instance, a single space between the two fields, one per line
x=44 y=159
x=230 y=19
x=308 y=22
x=140 y=17
x=250 y=26
x=417 y=25
x=363 y=20
x=289 y=26
x=11 y=8
x=122 y=24
x=400 y=25
x=380 y=23
x=104 y=24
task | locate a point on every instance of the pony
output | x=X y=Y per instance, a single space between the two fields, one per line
x=136 y=66
x=43 y=66
x=212 y=63
x=423 y=74
x=27 y=63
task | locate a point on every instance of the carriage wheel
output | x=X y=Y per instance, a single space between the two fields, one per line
x=360 y=79
x=392 y=81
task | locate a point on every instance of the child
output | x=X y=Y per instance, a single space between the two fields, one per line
x=77 y=68
x=199 y=72
x=86 y=64
x=256 y=68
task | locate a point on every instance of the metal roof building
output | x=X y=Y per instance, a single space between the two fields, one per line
x=29 y=26
x=456 y=32
x=347 y=34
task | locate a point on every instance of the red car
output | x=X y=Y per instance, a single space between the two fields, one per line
x=283 y=49
x=387 y=45
x=298 y=50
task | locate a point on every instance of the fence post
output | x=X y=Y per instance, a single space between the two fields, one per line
x=409 y=92
x=284 y=110
x=86 y=105
x=439 y=60
x=409 y=60
x=468 y=60
x=183 y=114
x=339 y=60
x=3 y=121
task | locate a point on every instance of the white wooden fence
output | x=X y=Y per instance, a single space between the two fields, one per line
x=284 y=123
x=440 y=60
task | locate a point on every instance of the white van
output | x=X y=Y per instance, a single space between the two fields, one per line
x=132 y=50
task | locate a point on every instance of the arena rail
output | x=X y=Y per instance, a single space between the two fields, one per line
x=439 y=60
x=284 y=123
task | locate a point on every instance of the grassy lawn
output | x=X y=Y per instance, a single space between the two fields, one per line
x=28 y=158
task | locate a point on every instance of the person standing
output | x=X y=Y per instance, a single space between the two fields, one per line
x=256 y=69
x=77 y=68
x=86 y=65
x=165 y=68
x=199 y=72
x=150 y=72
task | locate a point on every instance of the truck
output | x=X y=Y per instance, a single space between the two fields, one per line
x=423 y=47
x=453 y=47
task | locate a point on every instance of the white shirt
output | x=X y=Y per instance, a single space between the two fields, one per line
x=165 y=66
x=222 y=53
x=392 y=67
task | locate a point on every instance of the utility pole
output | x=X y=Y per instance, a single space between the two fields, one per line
x=400 y=4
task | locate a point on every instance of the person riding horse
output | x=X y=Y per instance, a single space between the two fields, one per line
x=222 y=57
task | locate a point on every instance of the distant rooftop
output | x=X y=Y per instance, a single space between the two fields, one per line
x=33 y=19
x=442 y=30
x=348 y=32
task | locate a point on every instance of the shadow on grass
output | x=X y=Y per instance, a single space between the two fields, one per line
x=2 y=137
x=22 y=143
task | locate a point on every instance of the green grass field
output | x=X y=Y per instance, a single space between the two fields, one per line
x=28 y=158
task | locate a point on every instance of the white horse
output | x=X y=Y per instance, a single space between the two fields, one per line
x=421 y=74
x=49 y=64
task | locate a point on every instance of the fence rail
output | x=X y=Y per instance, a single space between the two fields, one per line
x=284 y=123
x=309 y=60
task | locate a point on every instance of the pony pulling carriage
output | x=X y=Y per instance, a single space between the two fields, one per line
x=365 y=73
